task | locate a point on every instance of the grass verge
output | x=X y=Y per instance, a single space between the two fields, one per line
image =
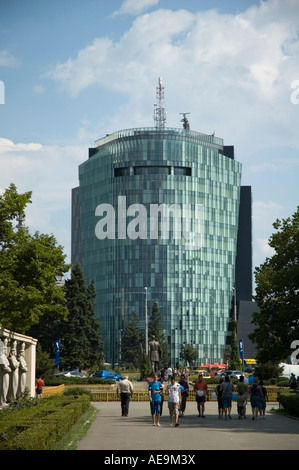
x=78 y=431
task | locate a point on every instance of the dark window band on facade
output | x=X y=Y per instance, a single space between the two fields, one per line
x=152 y=170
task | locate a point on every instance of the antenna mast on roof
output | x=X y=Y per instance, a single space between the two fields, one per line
x=160 y=112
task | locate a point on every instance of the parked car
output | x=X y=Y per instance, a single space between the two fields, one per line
x=217 y=375
x=72 y=373
x=233 y=374
x=75 y=374
x=107 y=374
x=204 y=373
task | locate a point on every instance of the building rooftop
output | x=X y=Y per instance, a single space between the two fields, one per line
x=166 y=132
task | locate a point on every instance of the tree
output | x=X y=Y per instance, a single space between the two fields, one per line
x=12 y=205
x=155 y=328
x=130 y=342
x=29 y=265
x=277 y=294
x=80 y=343
x=146 y=367
x=234 y=355
x=44 y=364
x=188 y=354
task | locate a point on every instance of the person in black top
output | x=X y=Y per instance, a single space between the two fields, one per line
x=220 y=399
x=183 y=382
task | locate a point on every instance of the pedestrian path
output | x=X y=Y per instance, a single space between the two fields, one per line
x=110 y=431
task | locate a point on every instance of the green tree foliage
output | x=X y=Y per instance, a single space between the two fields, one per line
x=155 y=328
x=47 y=331
x=29 y=265
x=188 y=354
x=146 y=367
x=277 y=294
x=45 y=367
x=130 y=343
x=234 y=355
x=80 y=342
x=12 y=205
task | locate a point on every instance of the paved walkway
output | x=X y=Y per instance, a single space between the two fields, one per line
x=111 y=432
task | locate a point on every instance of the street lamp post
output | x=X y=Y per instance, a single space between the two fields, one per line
x=146 y=324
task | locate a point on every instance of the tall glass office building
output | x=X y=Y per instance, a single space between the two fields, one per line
x=158 y=209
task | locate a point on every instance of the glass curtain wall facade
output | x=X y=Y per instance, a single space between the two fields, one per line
x=159 y=209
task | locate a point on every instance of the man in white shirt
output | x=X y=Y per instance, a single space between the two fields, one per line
x=174 y=399
x=125 y=391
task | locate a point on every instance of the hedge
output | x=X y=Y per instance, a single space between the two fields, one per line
x=290 y=403
x=40 y=427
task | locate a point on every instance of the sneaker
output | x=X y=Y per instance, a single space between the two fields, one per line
x=177 y=424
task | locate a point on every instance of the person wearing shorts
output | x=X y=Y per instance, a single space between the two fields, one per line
x=174 y=399
x=155 y=390
x=227 y=391
x=201 y=387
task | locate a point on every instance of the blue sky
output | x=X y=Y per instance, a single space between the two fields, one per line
x=76 y=70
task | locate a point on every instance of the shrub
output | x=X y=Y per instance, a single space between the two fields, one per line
x=76 y=392
x=40 y=427
x=290 y=403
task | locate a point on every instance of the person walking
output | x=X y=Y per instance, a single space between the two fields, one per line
x=174 y=399
x=169 y=373
x=155 y=390
x=263 y=400
x=201 y=391
x=220 y=399
x=161 y=379
x=39 y=387
x=293 y=382
x=227 y=391
x=241 y=405
x=243 y=388
x=186 y=373
x=185 y=393
x=124 y=390
x=255 y=398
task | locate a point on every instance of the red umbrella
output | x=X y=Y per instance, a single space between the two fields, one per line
x=206 y=366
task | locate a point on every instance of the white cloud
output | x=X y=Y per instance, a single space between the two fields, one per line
x=7 y=60
x=261 y=252
x=7 y=145
x=135 y=7
x=265 y=214
x=50 y=172
x=210 y=63
x=276 y=165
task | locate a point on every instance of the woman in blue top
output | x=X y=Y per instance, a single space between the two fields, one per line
x=155 y=390
x=256 y=395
